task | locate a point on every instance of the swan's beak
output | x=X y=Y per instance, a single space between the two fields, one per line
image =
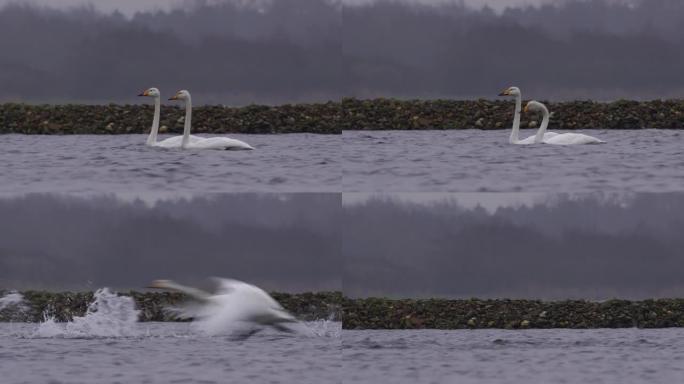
x=174 y=97
x=144 y=94
x=504 y=93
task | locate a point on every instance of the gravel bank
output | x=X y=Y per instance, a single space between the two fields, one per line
x=391 y=114
x=374 y=313
x=124 y=119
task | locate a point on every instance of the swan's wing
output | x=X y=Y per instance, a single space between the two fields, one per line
x=226 y=286
x=527 y=140
x=170 y=285
x=220 y=143
x=246 y=291
x=189 y=310
x=530 y=140
x=175 y=141
x=171 y=142
x=573 y=139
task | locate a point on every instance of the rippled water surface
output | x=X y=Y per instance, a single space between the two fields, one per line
x=122 y=163
x=498 y=356
x=169 y=353
x=474 y=160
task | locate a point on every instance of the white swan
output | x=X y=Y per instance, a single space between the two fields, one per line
x=558 y=139
x=514 y=138
x=203 y=143
x=234 y=302
x=172 y=142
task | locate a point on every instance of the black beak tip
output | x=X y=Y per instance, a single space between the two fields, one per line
x=502 y=94
x=140 y=94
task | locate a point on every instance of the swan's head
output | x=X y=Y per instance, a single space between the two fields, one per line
x=181 y=95
x=512 y=91
x=152 y=92
x=162 y=284
x=535 y=106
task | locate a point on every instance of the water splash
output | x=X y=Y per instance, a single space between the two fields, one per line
x=109 y=315
x=324 y=328
x=13 y=307
x=12 y=299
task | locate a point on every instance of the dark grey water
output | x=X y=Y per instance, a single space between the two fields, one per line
x=499 y=356
x=475 y=161
x=122 y=163
x=168 y=353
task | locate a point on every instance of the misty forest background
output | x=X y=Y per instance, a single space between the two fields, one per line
x=317 y=50
x=581 y=246
x=281 y=242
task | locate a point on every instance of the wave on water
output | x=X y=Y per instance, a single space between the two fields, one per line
x=13 y=307
x=109 y=315
x=12 y=299
x=324 y=328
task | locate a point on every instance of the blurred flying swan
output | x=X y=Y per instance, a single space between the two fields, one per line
x=234 y=302
x=202 y=142
x=514 y=139
x=558 y=139
x=172 y=142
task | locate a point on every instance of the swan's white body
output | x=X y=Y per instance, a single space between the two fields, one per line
x=172 y=142
x=530 y=140
x=558 y=138
x=515 y=132
x=234 y=302
x=194 y=142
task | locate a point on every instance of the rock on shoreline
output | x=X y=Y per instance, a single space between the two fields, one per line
x=392 y=114
x=375 y=313
x=127 y=119
x=66 y=305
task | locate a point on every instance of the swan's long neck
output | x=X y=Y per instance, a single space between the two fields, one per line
x=155 y=122
x=188 y=117
x=539 y=138
x=515 y=133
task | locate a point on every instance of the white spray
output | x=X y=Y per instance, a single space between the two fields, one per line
x=109 y=315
